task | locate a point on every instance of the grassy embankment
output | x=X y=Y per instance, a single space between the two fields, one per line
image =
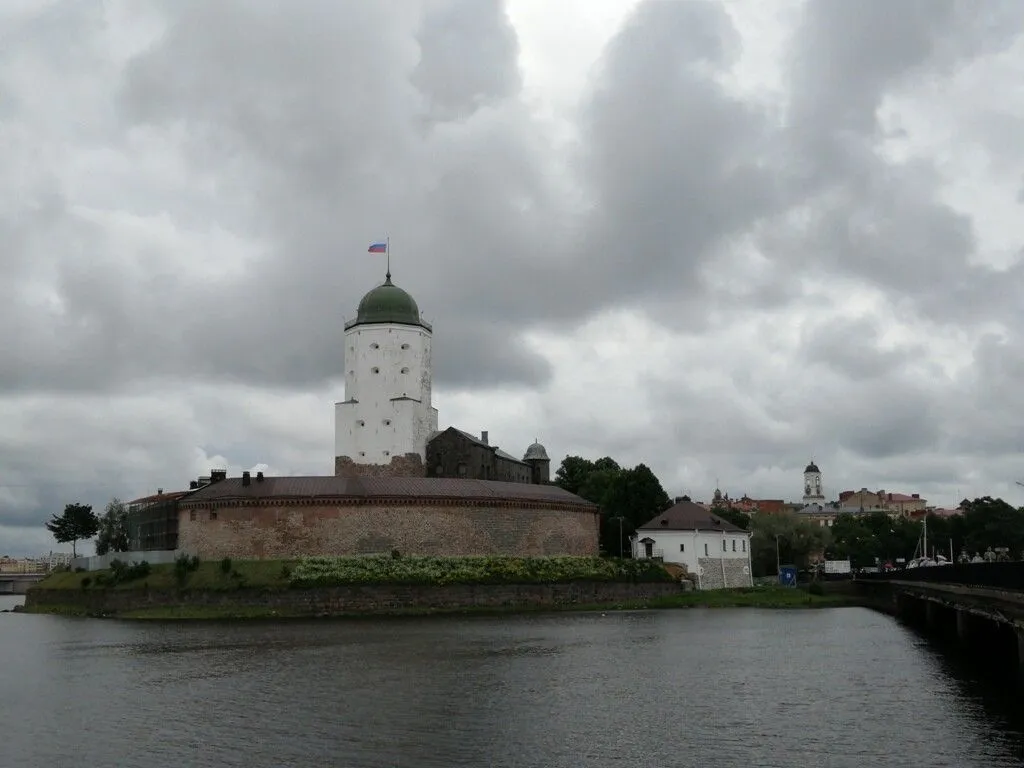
x=280 y=575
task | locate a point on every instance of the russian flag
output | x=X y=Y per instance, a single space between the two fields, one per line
x=378 y=248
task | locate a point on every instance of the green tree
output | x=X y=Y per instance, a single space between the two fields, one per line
x=798 y=540
x=573 y=472
x=113 y=528
x=992 y=522
x=628 y=498
x=734 y=516
x=77 y=522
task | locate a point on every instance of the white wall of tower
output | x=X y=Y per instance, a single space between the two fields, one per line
x=383 y=362
x=813 y=487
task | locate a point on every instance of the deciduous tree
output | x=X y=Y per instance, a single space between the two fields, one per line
x=113 y=528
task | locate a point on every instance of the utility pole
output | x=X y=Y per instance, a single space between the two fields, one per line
x=778 y=561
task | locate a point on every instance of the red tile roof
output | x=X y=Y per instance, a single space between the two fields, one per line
x=327 y=486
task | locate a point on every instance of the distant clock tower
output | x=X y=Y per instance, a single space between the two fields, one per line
x=813 y=493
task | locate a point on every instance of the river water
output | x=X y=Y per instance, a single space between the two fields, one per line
x=759 y=689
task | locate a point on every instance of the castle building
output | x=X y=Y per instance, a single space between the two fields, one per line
x=813 y=493
x=383 y=424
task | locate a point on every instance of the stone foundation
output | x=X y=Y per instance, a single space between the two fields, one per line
x=409 y=465
x=713 y=577
x=365 y=599
x=287 y=529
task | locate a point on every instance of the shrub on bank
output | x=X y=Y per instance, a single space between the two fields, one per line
x=330 y=571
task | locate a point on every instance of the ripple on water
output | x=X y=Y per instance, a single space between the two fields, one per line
x=720 y=688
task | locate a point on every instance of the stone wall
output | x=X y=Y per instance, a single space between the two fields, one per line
x=367 y=599
x=287 y=529
x=712 y=576
x=409 y=465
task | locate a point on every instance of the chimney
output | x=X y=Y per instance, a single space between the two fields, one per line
x=216 y=475
x=245 y=478
x=483 y=437
x=193 y=485
x=159 y=491
x=259 y=477
x=915 y=495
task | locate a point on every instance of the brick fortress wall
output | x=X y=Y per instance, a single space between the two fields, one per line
x=415 y=527
x=409 y=465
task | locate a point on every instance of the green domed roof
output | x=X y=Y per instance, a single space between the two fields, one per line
x=388 y=303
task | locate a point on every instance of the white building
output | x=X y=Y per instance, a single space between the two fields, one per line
x=387 y=412
x=813 y=493
x=714 y=550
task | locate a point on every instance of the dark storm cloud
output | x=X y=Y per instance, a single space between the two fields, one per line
x=193 y=202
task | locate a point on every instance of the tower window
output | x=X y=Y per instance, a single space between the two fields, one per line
x=387 y=453
x=375 y=369
x=405 y=346
x=362 y=453
x=387 y=422
x=375 y=345
x=360 y=423
x=405 y=370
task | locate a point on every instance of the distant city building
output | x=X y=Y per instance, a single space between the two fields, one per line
x=893 y=504
x=455 y=453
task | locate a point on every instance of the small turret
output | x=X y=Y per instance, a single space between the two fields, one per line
x=540 y=464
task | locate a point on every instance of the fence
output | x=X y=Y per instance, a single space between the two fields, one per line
x=153 y=557
x=999 y=575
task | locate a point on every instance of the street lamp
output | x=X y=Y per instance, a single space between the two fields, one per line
x=778 y=560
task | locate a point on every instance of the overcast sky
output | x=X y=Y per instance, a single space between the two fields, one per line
x=720 y=238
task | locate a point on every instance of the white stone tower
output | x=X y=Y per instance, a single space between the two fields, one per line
x=382 y=426
x=813 y=493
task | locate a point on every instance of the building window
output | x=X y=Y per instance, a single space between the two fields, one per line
x=682 y=547
x=375 y=369
x=405 y=370
x=387 y=422
x=405 y=346
x=387 y=453
x=375 y=345
x=192 y=515
x=723 y=545
x=744 y=545
x=462 y=470
x=213 y=515
x=360 y=423
x=362 y=453
x=705 y=549
x=734 y=545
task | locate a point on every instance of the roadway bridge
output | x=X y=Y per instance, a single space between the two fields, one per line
x=18 y=583
x=979 y=607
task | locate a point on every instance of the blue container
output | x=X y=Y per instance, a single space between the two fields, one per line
x=787 y=576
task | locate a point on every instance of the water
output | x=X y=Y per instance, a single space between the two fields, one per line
x=836 y=687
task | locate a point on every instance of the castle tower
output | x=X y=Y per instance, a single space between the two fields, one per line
x=383 y=424
x=813 y=493
x=540 y=465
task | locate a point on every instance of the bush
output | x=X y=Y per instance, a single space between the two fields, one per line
x=183 y=566
x=86 y=582
x=225 y=566
x=120 y=572
x=326 y=571
x=815 y=588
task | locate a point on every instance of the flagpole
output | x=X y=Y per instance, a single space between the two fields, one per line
x=387 y=251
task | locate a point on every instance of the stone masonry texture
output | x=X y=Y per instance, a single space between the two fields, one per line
x=377 y=598
x=409 y=465
x=287 y=530
x=711 y=573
